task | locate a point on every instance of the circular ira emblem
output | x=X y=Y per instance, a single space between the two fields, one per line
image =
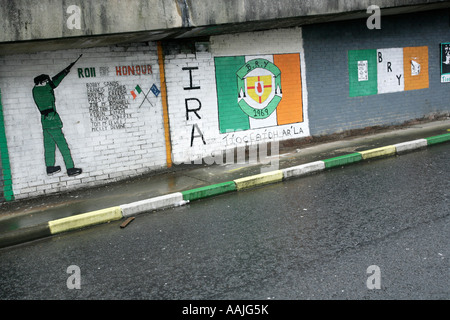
x=259 y=88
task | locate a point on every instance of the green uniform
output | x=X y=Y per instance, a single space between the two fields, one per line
x=44 y=98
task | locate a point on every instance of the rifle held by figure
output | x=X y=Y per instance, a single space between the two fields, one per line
x=72 y=64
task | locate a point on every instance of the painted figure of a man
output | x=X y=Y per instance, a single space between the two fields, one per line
x=44 y=97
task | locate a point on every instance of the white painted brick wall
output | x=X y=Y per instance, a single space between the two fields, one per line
x=251 y=43
x=181 y=128
x=114 y=154
x=104 y=156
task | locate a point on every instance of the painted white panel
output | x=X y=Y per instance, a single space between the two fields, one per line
x=390 y=70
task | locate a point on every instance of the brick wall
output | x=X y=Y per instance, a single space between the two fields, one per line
x=339 y=102
x=110 y=133
x=203 y=93
x=223 y=92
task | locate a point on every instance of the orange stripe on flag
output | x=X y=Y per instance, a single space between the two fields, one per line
x=290 y=108
x=419 y=55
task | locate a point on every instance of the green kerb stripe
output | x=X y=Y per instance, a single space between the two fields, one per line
x=209 y=191
x=8 y=193
x=438 y=139
x=342 y=160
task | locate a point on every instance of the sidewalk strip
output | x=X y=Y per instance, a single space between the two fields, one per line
x=378 y=152
x=438 y=139
x=156 y=203
x=85 y=219
x=342 y=160
x=303 y=169
x=410 y=145
x=208 y=191
x=259 y=179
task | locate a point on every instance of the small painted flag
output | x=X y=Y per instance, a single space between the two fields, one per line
x=136 y=89
x=155 y=90
x=376 y=71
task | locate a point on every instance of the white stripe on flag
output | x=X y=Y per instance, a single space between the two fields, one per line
x=272 y=119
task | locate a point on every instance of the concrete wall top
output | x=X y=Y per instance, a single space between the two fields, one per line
x=104 y=22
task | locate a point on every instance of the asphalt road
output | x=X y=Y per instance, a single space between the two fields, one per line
x=308 y=238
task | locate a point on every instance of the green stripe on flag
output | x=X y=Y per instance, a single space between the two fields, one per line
x=364 y=61
x=138 y=89
x=231 y=117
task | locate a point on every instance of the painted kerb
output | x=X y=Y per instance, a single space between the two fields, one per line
x=378 y=152
x=85 y=219
x=438 y=139
x=259 y=179
x=156 y=203
x=303 y=169
x=410 y=145
x=342 y=160
x=208 y=191
x=179 y=198
x=23 y=235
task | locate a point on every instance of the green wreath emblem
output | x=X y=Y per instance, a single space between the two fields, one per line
x=242 y=73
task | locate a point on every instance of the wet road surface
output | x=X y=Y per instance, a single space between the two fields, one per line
x=308 y=238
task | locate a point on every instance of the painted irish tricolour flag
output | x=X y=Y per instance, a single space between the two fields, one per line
x=387 y=70
x=137 y=90
x=258 y=91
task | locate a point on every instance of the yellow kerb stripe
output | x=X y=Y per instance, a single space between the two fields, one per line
x=86 y=219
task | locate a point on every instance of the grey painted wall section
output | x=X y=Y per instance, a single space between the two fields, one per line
x=326 y=46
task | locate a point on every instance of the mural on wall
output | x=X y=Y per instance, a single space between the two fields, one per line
x=258 y=91
x=235 y=91
x=89 y=121
x=138 y=90
x=109 y=100
x=445 y=62
x=193 y=105
x=44 y=97
x=107 y=105
x=376 y=71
